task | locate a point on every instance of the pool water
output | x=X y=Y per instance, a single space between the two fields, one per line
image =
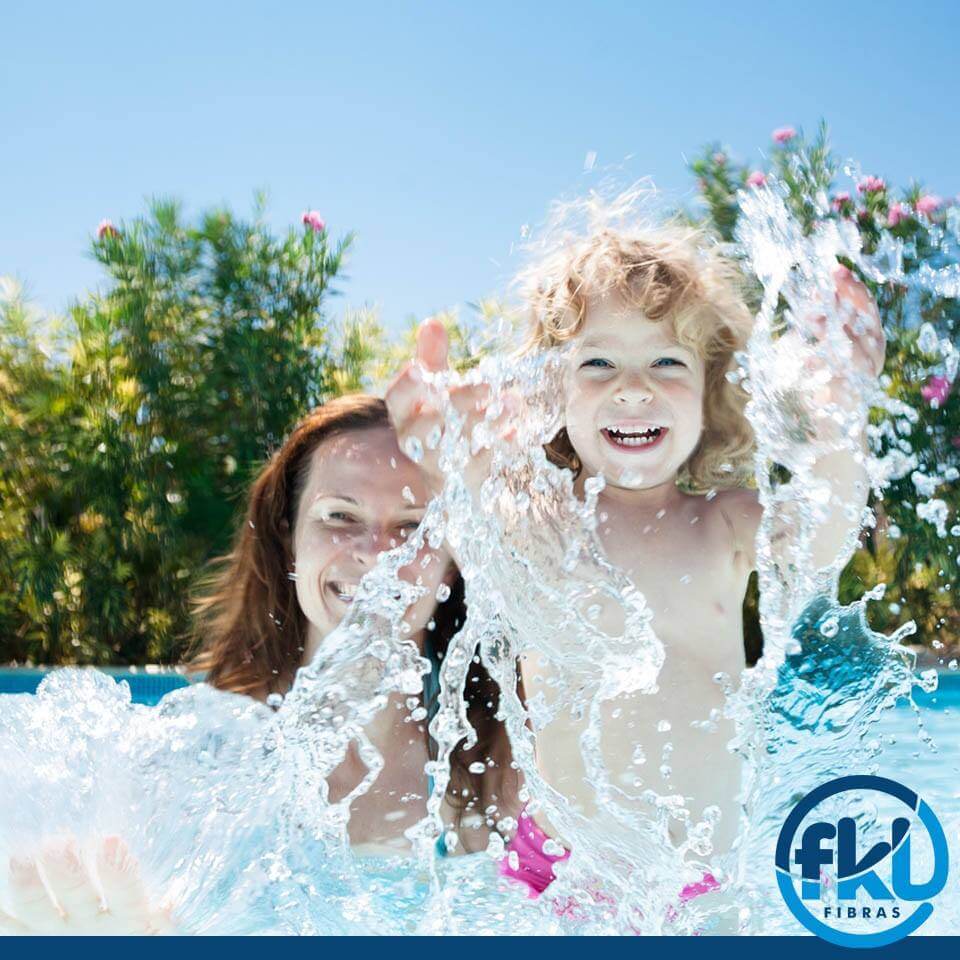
x=396 y=894
x=146 y=686
x=932 y=770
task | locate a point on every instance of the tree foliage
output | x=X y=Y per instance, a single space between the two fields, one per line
x=129 y=432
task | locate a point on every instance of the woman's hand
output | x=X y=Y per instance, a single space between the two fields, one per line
x=58 y=891
x=415 y=416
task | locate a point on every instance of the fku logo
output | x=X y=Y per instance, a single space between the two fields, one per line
x=826 y=844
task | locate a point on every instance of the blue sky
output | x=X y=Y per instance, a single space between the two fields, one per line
x=433 y=130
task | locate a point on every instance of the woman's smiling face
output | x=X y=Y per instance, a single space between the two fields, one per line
x=634 y=397
x=362 y=496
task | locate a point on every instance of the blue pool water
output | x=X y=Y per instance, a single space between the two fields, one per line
x=145 y=687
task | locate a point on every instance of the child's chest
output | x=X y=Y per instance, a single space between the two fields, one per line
x=685 y=566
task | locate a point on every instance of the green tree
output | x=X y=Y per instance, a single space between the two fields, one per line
x=130 y=432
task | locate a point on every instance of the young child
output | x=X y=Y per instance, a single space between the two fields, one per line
x=652 y=322
x=337 y=494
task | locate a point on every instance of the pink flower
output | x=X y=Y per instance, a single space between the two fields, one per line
x=871 y=184
x=928 y=203
x=757 y=179
x=719 y=159
x=898 y=213
x=783 y=134
x=106 y=229
x=313 y=220
x=839 y=200
x=936 y=389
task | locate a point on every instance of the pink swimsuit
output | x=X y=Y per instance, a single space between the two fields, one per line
x=535 y=868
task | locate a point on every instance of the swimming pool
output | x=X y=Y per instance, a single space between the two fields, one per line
x=345 y=895
x=932 y=771
x=147 y=684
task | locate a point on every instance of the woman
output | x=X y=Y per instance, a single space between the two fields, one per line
x=337 y=494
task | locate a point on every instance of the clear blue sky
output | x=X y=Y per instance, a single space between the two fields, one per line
x=435 y=130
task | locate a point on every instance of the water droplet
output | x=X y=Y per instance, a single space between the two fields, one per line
x=495 y=847
x=553 y=848
x=927 y=341
x=593 y=485
x=443 y=593
x=413 y=449
x=830 y=627
x=434 y=436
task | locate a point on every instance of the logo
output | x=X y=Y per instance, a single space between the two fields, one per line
x=853 y=898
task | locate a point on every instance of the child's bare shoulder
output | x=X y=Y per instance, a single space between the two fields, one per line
x=740 y=510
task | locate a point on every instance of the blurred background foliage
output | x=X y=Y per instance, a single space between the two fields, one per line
x=131 y=427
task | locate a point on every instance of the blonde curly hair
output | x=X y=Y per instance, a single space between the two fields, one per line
x=669 y=273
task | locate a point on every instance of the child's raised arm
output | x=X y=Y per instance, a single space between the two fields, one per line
x=414 y=413
x=843 y=468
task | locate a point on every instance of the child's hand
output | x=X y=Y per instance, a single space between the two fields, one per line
x=414 y=415
x=862 y=326
x=56 y=892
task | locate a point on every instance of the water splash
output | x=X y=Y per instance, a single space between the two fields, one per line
x=226 y=802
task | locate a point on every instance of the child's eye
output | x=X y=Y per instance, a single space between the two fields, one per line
x=597 y=363
x=668 y=362
x=408 y=527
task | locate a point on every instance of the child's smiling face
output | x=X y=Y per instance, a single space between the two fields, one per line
x=633 y=397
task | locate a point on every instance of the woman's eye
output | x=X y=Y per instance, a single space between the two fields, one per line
x=409 y=527
x=597 y=363
x=668 y=362
x=338 y=516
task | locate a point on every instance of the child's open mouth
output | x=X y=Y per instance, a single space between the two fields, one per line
x=633 y=438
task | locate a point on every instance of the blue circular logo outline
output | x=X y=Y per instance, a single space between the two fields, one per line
x=789 y=829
